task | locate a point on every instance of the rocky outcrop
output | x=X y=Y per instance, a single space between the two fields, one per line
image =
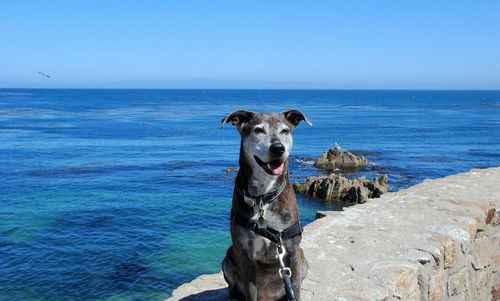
x=438 y=240
x=338 y=188
x=337 y=158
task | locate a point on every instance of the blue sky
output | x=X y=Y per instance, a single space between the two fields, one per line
x=270 y=44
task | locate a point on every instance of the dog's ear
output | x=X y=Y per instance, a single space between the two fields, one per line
x=237 y=118
x=295 y=117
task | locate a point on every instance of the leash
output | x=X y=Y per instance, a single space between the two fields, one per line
x=285 y=272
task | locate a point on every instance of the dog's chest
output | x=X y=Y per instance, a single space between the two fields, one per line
x=260 y=248
x=264 y=214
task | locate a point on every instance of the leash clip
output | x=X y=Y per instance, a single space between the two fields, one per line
x=281 y=253
x=284 y=271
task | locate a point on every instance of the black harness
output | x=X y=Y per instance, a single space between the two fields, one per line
x=267 y=232
x=258 y=202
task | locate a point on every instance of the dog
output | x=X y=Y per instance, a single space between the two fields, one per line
x=264 y=214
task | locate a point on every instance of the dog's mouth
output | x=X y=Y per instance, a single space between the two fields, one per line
x=274 y=167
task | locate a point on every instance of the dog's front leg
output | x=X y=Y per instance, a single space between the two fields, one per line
x=252 y=293
x=249 y=277
x=299 y=267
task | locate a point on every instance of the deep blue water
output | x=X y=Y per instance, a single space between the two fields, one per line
x=122 y=194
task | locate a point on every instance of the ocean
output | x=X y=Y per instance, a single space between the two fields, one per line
x=123 y=194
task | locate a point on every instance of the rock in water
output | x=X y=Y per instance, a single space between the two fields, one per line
x=338 y=158
x=231 y=169
x=338 y=188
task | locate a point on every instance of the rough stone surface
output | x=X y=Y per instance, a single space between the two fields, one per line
x=436 y=289
x=337 y=158
x=438 y=240
x=483 y=256
x=338 y=188
x=495 y=290
x=449 y=249
x=459 y=285
x=204 y=288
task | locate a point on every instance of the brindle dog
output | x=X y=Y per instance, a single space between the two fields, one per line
x=250 y=266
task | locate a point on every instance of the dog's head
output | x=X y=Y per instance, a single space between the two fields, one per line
x=266 y=137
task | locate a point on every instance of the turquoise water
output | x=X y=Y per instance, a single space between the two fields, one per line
x=122 y=194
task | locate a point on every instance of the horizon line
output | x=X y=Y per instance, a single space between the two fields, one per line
x=270 y=89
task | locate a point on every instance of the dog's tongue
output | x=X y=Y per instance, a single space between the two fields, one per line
x=278 y=170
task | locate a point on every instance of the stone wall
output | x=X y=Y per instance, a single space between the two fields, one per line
x=438 y=240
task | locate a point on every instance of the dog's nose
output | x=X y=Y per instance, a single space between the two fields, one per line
x=277 y=148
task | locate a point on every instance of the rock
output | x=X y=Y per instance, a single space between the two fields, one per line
x=309 y=159
x=495 y=290
x=338 y=158
x=459 y=284
x=211 y=287
x=449 y=245
x=320 y=214
x=231 y=169
x=437 y=286
x=482 y=255
x=338 y=188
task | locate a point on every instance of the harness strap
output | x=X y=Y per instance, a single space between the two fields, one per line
x=266 y=198
x=267 y=232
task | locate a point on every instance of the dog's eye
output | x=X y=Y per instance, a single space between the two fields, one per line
x=259 y=131
x=285 y=131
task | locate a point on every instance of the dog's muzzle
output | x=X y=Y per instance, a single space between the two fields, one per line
x=273 y=167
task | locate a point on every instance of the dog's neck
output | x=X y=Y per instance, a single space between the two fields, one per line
x=254 y=180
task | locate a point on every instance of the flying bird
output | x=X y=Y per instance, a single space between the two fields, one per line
x=44 y=74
